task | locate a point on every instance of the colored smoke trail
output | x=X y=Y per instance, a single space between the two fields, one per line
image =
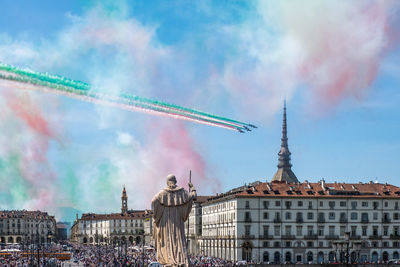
x=76 y=89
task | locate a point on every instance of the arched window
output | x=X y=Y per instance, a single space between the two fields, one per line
x=385 y=256
x=277 y=257
x=320 y=257
x=353 y=256
x=246 y=251
x=331 y=256
x=10 y=240
x=265 y=256
x=288 y=257
x=18 y=239
x=310 y=256
x=91 y=240
x=84 y=240
x=396 y=255
x=374 y=257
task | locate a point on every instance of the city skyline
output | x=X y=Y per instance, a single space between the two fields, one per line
x=232 y=59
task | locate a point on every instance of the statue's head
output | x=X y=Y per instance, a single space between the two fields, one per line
x=171 y=181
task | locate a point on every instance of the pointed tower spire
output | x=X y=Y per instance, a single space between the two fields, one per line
x=124 y=201
x=284 y=172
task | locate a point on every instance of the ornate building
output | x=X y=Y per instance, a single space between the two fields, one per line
x=125 y=227
x=290 y=221
x=26 y=227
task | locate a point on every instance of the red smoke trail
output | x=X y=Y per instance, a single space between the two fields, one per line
x=30 y=113
x=34 y=165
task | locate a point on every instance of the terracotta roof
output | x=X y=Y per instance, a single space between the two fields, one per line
x=201 y=199
x=320 y=190
x=137 y=214
x=25 y=214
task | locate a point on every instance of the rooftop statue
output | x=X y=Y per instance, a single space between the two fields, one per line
x=171 y=207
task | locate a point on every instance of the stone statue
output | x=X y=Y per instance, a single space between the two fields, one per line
x=171 y=207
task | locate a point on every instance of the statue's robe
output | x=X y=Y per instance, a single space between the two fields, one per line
x=171 y=209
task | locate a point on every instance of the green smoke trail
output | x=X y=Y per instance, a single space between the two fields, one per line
x=83 y=89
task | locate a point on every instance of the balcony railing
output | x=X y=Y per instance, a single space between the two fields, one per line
x=277 y=220
x=299 y=220
x=288 y=237
x=332 y=237
x=343 y=220
x=266 y=237
x=355 y=237
x=385 y=220
x=375 y=237
x=312 y=236
x=364 y=220
x=321 y=220
x=395 y=236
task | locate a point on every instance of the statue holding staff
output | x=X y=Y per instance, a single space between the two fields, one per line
x=171 y=208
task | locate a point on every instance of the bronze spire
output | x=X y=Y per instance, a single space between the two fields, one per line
x=284 y=172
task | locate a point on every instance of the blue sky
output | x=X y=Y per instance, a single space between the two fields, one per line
x=238 y=59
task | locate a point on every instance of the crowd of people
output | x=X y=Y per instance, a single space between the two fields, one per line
x=89 y=255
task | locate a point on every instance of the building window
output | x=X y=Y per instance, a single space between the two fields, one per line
x=309 y=204
x=310 y=215
x=375 y=230
x=310 y=230
x=396 y=244
x=395 y=216
x=364 y=204
x=266 y=204
x=375 y=215
x=354 y=215
x=331 y=215
x=374 y=244
x=386 y=204
x=321 y=204
x=353 y=231
x=277 y=203
x=385 y=230
x=300 y=204
x=288 y=230
x=320 y=230
x=288 y=244
x=288 y=204
x=277 y=244
x=266 y=230
x=364 y=230
x=342 y=203
x=342 y=230
x=265 y=244
x=247 y=204
x=396 y=231
x=331 y=204
x=331 y=230
x=364 y=217
x=247 y=217
x=277 y=230
x=265 y=215
x=299 y=230
x=288 y=216
x=375 y=205
x=353 y=205
x=310 y=244
x=247 y=230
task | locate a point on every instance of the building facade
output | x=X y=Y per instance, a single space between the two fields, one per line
x=26 y=227
x=286 y=220
x=114 y=228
